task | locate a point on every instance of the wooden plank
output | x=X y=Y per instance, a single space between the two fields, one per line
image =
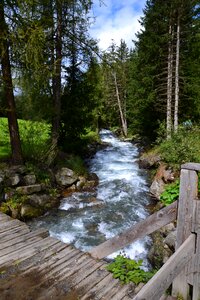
x=27 y=251
x=191 y=166
x=17 y=247
x=137 y=231
x=6 y=226
x=122 y=292
x=55 y=264
x=61 y=281
x=5 y=236
x=187 y=194
x=4 y=217
x=39 y=232
x=76 y=278
x=30 y=262
x=157 y=285
x=196 y=270
x=49 y=278
x=112 y=291
x=91 y=294
x=55 y=271
x=92 y=280
x=103 y=292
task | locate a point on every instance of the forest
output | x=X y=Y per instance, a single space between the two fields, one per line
x=57 y=89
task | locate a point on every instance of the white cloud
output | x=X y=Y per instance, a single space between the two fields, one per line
x=116 y=19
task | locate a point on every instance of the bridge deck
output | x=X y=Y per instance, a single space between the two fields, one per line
x=36 y=266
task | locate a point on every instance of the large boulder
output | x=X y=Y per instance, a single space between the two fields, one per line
x=170 y=240
x=66 y=177
x=163 y=176
x=29 y=189
x=43 y=201
x=148 y=161
x=28 y=211
x=29 y=179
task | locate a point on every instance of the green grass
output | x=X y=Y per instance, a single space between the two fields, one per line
x=34 y=139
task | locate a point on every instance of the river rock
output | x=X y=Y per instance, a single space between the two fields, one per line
x=14 y=179
x=148 y=161
x=163 y=176
x=19 y=169
x=2 y=176
x=91 y=182
x=28 y=211
x=41 y=200
x=30 y=179
x=29 y=189
x=80 y=183
x=65 y=177
x=170 y=240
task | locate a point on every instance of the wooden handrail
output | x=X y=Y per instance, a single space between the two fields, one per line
x=137 y=231
x=159 y=283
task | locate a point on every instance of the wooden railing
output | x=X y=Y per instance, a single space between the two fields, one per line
x=182 y=270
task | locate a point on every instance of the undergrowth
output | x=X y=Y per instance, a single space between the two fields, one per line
x=171 y=192
x=128 y=270
x=183 y=147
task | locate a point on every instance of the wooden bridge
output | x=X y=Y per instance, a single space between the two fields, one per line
x=35 y=266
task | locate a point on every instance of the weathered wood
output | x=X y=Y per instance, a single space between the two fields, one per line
x=187 y=194
x=9 y=235
x=92 y=280
x=155 y=288
x=28 y=250
x=16 y=247
x=196 y=269
x=40 y=232
x=91 y=294
x=121 y=292
x=191 y=166
x=6 y=226
x=48 y=268
x=137 y=231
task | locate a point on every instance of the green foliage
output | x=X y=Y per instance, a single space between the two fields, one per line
x=14 y=201
x=41 y=174
x=34 y=138
x=170 y=194
x=128 y=270
x=184 y=146
x=76 y=163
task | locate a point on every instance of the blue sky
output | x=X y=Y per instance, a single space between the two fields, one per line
x=116 y=19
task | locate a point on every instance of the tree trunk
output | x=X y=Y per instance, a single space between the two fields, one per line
x=177 y=75
x=122 y=116
x=57 y=75
x=169 y=83
x=8 y=86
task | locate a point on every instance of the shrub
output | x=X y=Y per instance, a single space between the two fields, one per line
x=170 y=193
x=184 y=146
x=34 y=139
x=128 y=270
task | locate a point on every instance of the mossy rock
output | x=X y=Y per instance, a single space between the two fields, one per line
x=28 y=211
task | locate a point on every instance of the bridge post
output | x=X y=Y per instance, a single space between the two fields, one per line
x=187 y=223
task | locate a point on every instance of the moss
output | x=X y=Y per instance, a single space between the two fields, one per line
x=28 y=211
x=4 y=208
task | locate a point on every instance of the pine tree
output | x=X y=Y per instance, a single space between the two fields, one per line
x=160 y=63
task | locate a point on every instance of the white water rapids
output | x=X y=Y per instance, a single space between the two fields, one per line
x=123 y=188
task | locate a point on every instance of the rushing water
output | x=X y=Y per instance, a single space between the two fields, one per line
x=123 y=190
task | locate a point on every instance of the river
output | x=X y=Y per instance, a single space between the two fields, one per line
x=123 y=191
